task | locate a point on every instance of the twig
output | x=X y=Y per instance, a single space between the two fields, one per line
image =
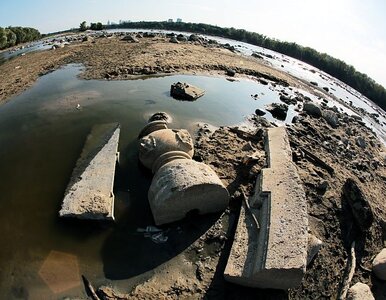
x=89 y=289
x=349 y=273
x=248 y=208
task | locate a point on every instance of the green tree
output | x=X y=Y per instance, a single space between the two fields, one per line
x=11 y=37
x=93 y=26
x=3 y=38
x=83 y=26
x=99 y=26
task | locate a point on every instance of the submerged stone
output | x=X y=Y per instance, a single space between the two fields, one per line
x=185 y=91
x=89 y=194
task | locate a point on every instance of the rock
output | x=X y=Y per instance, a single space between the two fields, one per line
x=323 y=186
x=158 y=142
x=87 y=38
x=185 y=91
x=312 y=109
x=331 y=118
x=89 y=195
x=314 y=83
x=174 y=40
x=360 y=141
x=278 y=110
x=231 y=72
x=108 y=293
x=256 y=55
x=360 y=208
x=360 y=291
x=182 y=38
x=379 y=265
x=259 y=112
x=194 y=38
x=288 y=100
x=182 y=186
x=129 y=38
x=326 y=89
x=314 y=245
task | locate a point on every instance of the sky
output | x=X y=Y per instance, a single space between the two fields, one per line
x=351 y=30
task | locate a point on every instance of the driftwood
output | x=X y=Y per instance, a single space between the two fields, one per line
x=248 y=209
x=313 y=158
x=90 y=289
x=348 y=274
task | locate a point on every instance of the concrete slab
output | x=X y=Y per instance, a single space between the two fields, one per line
x=89 y=195
x=185 y=91
x=275 y=255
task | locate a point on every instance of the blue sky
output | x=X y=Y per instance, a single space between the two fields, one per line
x=352 y=30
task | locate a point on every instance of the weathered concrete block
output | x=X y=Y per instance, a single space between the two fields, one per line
x=184 y=185
x=89 y=194
x=275 y=255
x=185 y=91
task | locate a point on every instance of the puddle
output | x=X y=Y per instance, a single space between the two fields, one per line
x=42 y=132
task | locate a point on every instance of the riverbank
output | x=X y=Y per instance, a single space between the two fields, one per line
x=327 y=152
x=110 y=58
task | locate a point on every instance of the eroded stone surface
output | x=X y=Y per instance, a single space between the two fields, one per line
x=360 y=291
x=89 y=195
x=184 y=185
x=275 y=255
x=162 y=141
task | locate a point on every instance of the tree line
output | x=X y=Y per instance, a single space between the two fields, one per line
x=333 y=66
x=12 y=36
x=93 y=26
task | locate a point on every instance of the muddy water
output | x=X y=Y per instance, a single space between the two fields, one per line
x=41 y=136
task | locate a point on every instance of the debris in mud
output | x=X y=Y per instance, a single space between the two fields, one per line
x=278 y=110
x=185 y=91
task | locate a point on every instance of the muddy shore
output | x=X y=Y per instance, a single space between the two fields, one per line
x=110 y=58
x=197 y=272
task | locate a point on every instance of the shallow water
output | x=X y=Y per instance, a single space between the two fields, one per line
x=41 y=136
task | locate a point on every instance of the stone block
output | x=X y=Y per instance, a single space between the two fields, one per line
x=89 y=194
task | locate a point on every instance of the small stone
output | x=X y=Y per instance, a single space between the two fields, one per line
x=360 y=291
x=312 y=109
x=360 y=141
x=259 y=112
x=379 y=265
x=331 y=118
x=314 y=245
x=278 y=110
x=231 y=72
